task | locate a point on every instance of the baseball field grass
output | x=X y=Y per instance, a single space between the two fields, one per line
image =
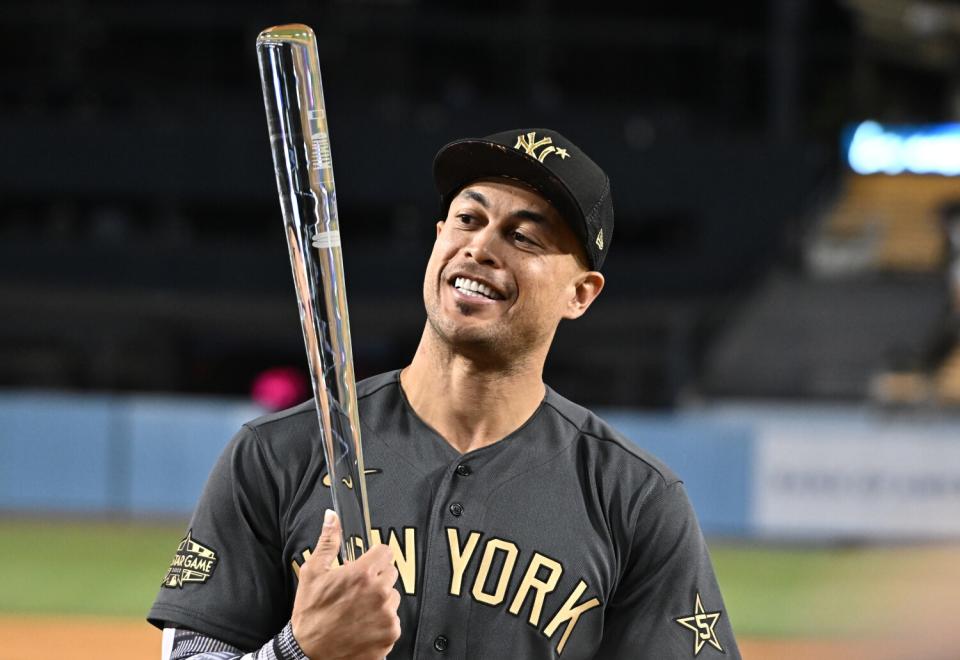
x=74 y=570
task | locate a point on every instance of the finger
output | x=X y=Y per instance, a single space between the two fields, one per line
x=388 y=577
x=328 y=545
x=393 y=600
x=382 y=554
x=377 y=559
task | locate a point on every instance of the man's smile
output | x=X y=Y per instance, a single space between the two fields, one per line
x=472 y=288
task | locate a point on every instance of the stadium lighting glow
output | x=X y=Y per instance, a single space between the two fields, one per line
x=874 y=149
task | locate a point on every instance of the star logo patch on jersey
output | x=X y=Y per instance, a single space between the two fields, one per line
x=703 y=625
x=194 y=562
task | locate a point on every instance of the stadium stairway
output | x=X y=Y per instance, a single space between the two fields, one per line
x=898 y=215
x=801 y=337
x=947 y=379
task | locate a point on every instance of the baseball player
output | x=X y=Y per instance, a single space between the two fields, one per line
x=508 y=521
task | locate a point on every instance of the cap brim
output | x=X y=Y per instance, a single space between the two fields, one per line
x=461 y=162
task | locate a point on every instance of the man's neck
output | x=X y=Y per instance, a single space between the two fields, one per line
x=470 y=404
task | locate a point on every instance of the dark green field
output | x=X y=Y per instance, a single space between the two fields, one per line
x=53 y=567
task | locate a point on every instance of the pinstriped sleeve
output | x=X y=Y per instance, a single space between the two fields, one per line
x=191 y=645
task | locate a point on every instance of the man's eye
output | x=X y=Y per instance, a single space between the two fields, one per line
x=520 y=237
x=465 y=218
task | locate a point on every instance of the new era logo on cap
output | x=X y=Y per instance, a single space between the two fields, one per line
x=548 y=162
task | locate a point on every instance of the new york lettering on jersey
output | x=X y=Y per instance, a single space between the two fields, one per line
x=549 y=543
x=492 y=572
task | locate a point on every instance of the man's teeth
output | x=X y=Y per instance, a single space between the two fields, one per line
x=474 y=288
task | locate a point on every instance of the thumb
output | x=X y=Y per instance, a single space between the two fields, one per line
x=328 y=545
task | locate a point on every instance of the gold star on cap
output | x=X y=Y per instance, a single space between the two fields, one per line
x=562 y=153
x=702 y=624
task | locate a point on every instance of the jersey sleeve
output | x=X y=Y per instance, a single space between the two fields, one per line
x=668 y=602
x=226 y=578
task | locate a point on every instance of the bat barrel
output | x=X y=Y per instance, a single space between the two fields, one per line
x=300 y=141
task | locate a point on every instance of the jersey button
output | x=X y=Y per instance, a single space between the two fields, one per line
x=456 y=509
x=441 y=643
x=464 y=470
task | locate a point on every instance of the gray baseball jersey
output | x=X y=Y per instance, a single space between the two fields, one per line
x=563 y=540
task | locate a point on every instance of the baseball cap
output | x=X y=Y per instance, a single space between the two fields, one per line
x=548 y=162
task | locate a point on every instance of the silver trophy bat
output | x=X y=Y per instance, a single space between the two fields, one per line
x=300 y=140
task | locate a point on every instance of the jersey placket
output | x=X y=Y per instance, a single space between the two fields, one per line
x=458 y=509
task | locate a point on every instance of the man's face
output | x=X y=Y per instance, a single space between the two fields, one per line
x=505 y=269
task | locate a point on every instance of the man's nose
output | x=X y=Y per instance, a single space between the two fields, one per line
x=483 y=247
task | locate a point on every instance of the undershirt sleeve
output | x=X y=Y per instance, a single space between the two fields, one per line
x=191 y=645
x=668 y=602
x=226 y=579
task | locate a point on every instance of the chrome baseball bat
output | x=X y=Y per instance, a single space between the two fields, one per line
x=300 y=141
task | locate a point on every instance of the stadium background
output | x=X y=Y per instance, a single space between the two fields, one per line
x=777 y=326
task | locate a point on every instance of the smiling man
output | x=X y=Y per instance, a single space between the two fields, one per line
x=514 y=523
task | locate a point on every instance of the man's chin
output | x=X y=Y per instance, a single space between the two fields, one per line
x=470 y=334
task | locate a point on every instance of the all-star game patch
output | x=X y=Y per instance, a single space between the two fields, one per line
x=194 y=562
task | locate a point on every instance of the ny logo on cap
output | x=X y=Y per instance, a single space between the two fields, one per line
x=529 y=143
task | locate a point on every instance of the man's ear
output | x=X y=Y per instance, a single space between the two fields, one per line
x=439 y=226
x=586 y=288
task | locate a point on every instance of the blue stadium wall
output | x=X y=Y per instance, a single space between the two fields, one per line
x=787 y=471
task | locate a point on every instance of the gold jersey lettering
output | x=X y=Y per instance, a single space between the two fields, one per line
x=404 y=556
x=540 y=587
x=486 y=562
x=570 y=613
x=496 y=569
x=459 y=557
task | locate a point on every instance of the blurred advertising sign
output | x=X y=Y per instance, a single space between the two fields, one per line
x=874 y=148
x=894 y=482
